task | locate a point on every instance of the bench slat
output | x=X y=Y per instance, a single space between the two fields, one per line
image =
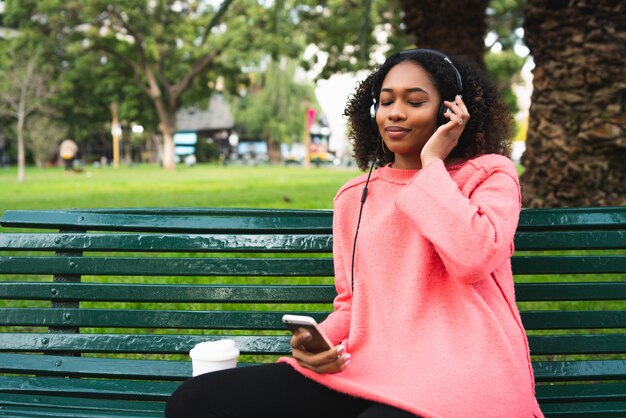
x=561 y=216
x=156 y=390
x=168 y=293
x=525 y=292
x=582 y=217
x=557 y=371
x=138 y=318
x=215 y=220
x=572 y=218
x=573 y=319
x=569 y=240
x=34 y=411
x=584 y=409
x=167 y=266
x=534 y=241
x=167 y=243
x=248 y=222
x=96 y=388
x=545 y=371
x=136 y=343
x=80 y=403
x=569 y=264
x=95 y=367
x=255 y=344
x=577 y=344
x=581 y=391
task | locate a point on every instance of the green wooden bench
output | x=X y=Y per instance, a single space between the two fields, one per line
x=98 y=315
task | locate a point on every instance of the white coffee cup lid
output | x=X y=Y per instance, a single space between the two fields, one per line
x=214 y=350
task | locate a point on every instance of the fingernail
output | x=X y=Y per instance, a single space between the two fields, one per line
x=347 y=359
x=341 y=349
x=306 y=336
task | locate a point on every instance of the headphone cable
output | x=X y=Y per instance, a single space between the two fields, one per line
x=358 y=224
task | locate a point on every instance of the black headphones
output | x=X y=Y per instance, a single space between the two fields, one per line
x=441 y=119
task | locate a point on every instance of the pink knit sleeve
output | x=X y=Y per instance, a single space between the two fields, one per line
x=337 y=325
x=472 y=231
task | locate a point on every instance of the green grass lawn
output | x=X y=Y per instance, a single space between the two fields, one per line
x=150 y=186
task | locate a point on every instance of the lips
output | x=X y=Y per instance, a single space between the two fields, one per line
x=396 y=132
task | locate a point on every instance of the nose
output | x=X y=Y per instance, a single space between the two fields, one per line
x=396 y=112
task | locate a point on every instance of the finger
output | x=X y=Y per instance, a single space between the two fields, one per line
x=318 y=359
x=461 y=104
x=455 y=118
x=335 y=366
x=462 y=111
x=456 y=108
x=327 y=357
x=300 y=338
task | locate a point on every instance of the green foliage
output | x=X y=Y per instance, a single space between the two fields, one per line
x=345 y=31
x=505 y=17
x=43 y=137
x=91 y=83
x=207 y=151
x=505 y=67
x=275 y=106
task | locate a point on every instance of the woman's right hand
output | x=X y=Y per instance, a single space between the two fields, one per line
x=330 y=361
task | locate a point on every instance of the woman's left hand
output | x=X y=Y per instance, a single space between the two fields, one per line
x=446 y=137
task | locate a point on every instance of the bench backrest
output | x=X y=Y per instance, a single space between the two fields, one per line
x=114 y=284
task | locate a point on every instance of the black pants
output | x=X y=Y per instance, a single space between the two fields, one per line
x=270 y=390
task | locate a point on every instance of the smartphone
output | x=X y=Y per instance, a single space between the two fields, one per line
x=319 y=342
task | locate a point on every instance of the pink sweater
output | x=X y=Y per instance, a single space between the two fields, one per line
x=432 y=326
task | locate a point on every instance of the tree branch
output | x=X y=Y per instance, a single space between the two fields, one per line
x=161 y=73
x=141 y=56
x=204 y=61
x=135 y=68
x=216 y=19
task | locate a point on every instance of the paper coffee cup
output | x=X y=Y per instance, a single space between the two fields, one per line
x=211 y=356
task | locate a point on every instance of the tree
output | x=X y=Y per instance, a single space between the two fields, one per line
x=168 y=46
x=165 y=45
x=275 y=107
x=576 y=145
x=26 y=86
x=43 y=136
x=89 y=80
x=456 y=27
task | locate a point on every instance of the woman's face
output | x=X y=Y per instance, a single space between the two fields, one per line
x=407 y=112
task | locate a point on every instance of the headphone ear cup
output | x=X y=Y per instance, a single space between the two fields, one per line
x=441 y=119
x=373 y=109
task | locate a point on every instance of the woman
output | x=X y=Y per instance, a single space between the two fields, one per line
x=425 y=319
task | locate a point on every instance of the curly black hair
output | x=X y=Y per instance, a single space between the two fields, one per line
x=488 y=130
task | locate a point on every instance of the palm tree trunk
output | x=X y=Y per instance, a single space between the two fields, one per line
x=452 y=26
x=576 y=144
